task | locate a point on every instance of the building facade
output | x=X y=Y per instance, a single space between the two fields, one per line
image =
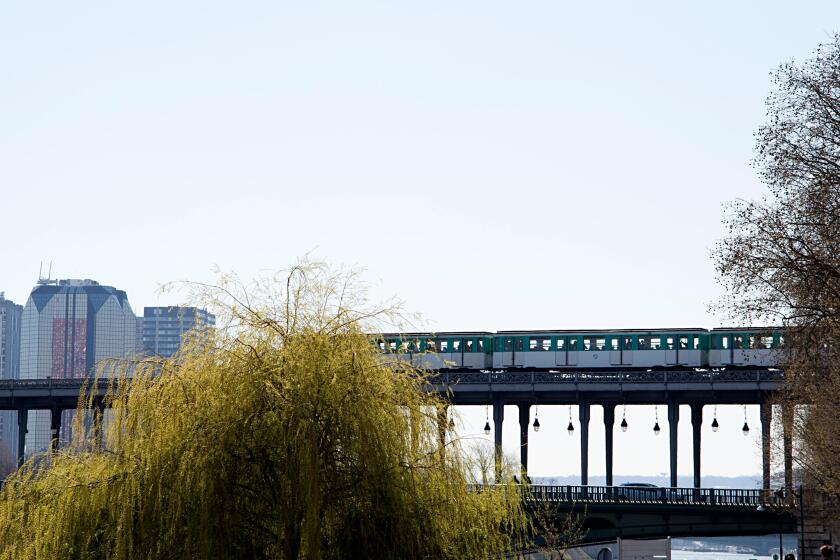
x=10 y=316
x=164 y=328
x=68 y=329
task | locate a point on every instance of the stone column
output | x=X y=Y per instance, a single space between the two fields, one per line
x=55 y=428
x=23 y=418
x=696 y=423
x=584 y=443
x=609 y=422
x=766 y=412
x=787 y=436
x=524 y=419
x=673 y=434
x=498 y=420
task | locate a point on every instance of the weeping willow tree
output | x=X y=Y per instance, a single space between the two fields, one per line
x=282 y=434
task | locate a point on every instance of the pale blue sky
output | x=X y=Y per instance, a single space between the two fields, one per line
x=497 y=165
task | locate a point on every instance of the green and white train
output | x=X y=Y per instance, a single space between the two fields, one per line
x=589 y=349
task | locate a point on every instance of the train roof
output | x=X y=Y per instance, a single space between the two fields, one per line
x=607 y=331
x=437 y=334
x=746 y=329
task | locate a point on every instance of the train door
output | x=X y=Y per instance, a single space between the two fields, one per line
x=573 y=346
x=457 y=351
x=560 y=351
x=626 y=350
x=725 y=348
x=739 y=342
x=670 y=350
x=615 y=350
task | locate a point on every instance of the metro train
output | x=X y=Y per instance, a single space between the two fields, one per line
x=589 y=349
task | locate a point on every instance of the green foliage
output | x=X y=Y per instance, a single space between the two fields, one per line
x=283 y=434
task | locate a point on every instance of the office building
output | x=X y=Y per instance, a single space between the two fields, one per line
x=68 y=329
x=164 y=327
x=10 y=314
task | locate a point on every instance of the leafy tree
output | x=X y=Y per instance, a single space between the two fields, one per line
x=283 y=434
x=780 y=263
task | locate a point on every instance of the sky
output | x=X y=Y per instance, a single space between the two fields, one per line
x=495 y=165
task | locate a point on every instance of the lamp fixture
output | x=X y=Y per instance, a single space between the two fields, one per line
x=715 y=424
x=746 y=429
x=486 y=420
x=571 y=427
x=624 y=418
x=536 y=419
x=656 y=428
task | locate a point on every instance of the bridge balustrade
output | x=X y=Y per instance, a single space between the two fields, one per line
x=750 y=498
x=623 y=376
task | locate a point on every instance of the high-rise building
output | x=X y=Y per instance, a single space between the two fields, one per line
x=10 y=314
x=68 y=328
x=164 y=327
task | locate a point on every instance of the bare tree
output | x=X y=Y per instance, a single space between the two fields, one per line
x=780 y=262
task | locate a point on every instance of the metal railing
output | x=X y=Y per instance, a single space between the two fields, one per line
x=611 y=377
x=749 y=498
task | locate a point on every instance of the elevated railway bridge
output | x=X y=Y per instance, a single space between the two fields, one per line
x=670 y=387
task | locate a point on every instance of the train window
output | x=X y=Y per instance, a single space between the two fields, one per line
x=614 y=343
x=508 y=345
x=655 y=343
x=696 y=344
x=443 y=346
x=468 y=345
x=561 y=343
x=628 y=343
x=413 y=346
x=431 y=346
x=392 y=346
x=737 y=341
x=520 y=344
x=573 y=343
x=539 y=344
x=669 y=342
x=781 y=343
x=600 y=343
x=724 y=342
x=683 y=343
x=644 y=343
x=481 y=345
x=766 y=342
x=588 y=343
x=456 y=345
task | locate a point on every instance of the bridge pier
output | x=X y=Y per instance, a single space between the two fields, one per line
x=673 y=421
x=696 y=424
x=583 y=413
x=609 y=422
x=442 y=414
x=22 y=419
x=766 y=413
x=498 y=420
x=524 y=421
x=55 y=427
x=787 y=437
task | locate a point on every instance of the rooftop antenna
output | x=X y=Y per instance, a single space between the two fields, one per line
x=42 y=281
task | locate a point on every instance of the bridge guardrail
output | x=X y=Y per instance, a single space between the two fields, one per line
x=749 y=498
x=625 y=376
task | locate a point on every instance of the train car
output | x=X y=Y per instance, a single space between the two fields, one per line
x=623 y=348
x=447 y=350
x=745 y=347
